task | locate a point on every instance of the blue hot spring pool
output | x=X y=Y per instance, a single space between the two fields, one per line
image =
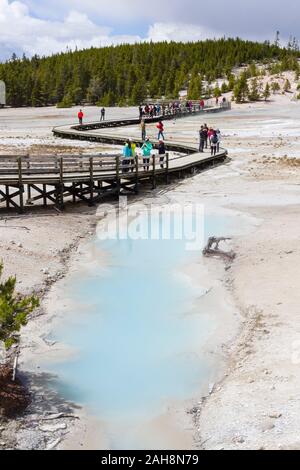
x=136 y=342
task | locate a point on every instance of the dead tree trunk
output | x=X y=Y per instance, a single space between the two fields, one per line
x=212 y=249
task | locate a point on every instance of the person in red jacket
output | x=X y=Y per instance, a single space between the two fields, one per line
x=80 y=117
x=210 y=134
x=160 y=128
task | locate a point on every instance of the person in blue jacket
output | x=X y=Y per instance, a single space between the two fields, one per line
x=127 y=154
x=147 y=148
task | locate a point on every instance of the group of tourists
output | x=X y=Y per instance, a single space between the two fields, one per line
x=155 y=110
x=130 y=156
x=169 y=109
x=129 y=149
x=166 y=109
x=209 y=137
x=150 y=110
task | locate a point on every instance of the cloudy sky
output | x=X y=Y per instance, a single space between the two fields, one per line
x=46 y=26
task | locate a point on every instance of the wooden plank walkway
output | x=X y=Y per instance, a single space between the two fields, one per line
x=91 y=178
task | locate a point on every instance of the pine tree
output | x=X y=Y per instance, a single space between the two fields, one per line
x=180 y=82
x=224 y=88
x=76 y=95
x=252 y=70
x=154 y=87
x=254 y=94
x=66 y=102
x=195 y=88
x=275 y=87
x=139 y=93
x=241 y=89
x=217 y=92
x=108 y=99
x=287 y=86
x=14 y=310
x=95 y=90
x=165 y=68
x=267 y=93
x=36 y=94
x=231 y=82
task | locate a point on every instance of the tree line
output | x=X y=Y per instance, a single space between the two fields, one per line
x=249 y=85
x=127 y=74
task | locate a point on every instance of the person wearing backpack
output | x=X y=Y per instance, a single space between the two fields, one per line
x=213 y=143
x=219 y=140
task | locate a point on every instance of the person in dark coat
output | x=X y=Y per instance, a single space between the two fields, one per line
x=203 y=138
x=161 y=152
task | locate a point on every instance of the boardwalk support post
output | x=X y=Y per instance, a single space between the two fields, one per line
x=136 y=188
x=118 y=174
x=91 y=203
x=154 y=172
x=28 y=186
x=167 y=167
x=7 y=196
x=60 y=188
x=21 y=187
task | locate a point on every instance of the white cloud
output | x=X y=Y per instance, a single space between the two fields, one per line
x=255 y=19
x=22 y=32
x=179 y=32
x=74 y=23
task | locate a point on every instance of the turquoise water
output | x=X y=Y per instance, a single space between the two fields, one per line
x=136 y=338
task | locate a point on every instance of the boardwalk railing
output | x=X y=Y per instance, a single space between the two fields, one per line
x=168 y=115
x=52 y=179
x=90 y=178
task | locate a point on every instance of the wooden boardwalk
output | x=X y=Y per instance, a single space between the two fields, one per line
x=54 y=179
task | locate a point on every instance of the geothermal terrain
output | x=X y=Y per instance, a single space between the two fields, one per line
x=254 y=403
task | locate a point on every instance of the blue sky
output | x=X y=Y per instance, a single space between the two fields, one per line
x=49 y=26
